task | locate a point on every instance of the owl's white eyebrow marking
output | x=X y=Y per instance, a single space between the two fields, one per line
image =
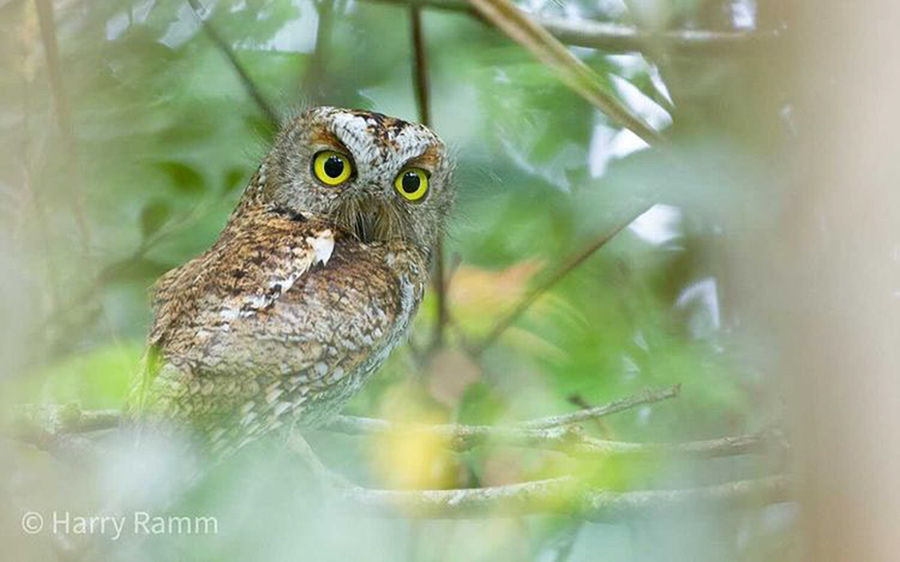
x=412 y=143
x=381 y=155
x=352 y=131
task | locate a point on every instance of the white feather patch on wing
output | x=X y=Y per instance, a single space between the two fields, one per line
x=322 y=245
x=318 y=249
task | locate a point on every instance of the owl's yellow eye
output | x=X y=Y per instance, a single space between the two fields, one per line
x=412 y=183
x=332 y=168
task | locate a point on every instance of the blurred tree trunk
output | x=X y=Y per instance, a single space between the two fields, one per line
x=841 y=260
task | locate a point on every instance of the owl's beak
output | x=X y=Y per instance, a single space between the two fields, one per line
x=367 y=217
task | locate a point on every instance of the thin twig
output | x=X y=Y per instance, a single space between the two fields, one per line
x=568 y=440
x=423 y=102
x=63 y=117
x=577 y=400
x=33 y=195
x=67 y=419
x=563 y=496
x=557 y=433
x=554 y=430
x=313 y=80
x=647 y=396
x=420 y=66
x=439 y=283
x=51 y=53
x=551 y=279
x=242 y=73
x=522 y=29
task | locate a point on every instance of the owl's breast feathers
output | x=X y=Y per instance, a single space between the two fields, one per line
x=281 y=316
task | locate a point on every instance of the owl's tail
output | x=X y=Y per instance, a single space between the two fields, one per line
x=138 y=402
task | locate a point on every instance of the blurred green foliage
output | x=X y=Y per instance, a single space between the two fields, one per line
x=167 y=136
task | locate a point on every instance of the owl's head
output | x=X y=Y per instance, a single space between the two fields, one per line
x=375 y=177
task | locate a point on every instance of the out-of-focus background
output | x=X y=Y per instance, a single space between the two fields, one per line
x=761 y=276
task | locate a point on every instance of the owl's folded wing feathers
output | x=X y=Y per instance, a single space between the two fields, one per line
x=247 y=270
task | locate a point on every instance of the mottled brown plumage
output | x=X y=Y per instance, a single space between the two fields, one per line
x=307 y=289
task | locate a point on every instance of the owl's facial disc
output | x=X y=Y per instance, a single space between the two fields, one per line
x=367 y=218
x=375 y=177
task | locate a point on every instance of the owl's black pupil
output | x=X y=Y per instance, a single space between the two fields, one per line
x=411 y=182
x=334 y=167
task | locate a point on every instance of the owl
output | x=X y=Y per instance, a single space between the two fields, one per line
x=312 y=282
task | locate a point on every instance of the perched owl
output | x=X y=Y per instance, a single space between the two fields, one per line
x=311 y=284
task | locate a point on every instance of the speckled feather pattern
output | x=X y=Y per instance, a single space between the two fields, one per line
x=284 y=318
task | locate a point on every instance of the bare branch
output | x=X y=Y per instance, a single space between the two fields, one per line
x=561 y=495
x=57 y=428
x=552 y=279
x=558 y=434
x=647 y=396
x=43 y=421
x=551 y=432
x=569 y=440
x=44 y=424
x=615 y=37
x=223 y=46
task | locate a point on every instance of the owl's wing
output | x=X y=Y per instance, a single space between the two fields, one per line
x=247 y=270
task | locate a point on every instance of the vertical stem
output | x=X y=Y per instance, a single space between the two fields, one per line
x=34 y=197
x=249 y=85
x=423 y=96
x=63 y=113
x=311 y=83
x=420 y=68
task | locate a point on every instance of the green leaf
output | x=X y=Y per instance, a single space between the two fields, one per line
x=184 y=178
x=234 y=179
x=153 y=216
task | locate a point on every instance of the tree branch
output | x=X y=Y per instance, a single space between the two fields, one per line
x=59 y=419
x=557 y=433
x=561 y=495
x=53 y=420
x=45 y=424
x=569 y=440
x=647 y=396
x=244 y=77
x=58 y=428
x=615 y=37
